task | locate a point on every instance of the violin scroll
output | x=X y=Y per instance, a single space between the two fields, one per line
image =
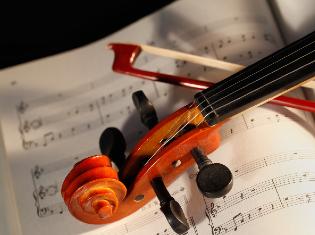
x=95 y=194
x=92 y=190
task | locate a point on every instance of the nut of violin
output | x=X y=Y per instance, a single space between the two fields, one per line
x=92 y=191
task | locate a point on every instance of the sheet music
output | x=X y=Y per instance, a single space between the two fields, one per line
x=8 y=215
x=54 y=110
x=295 y=18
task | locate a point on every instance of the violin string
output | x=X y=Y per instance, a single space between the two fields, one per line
x=181 y=128
x=187 y=123
x=223 y=83
x=231 y=93
x=174 y=127
x=244 y=79
x=254 y=90
x=206 y=100
x=259 y=87
x=260 y=70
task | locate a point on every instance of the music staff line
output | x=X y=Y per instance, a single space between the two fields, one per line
x=192 y=229
x=41 y=192
x=240 y=219
x=236 y=126
x=52 y=98
x=100 y=102
x=57 y=208
x=271 y=184
x=256 y=165
x=150 y=217
x=262 y=162
x=217 y=46
x=128 y=227
x=213 y=48
x=270 y=160
x=204 y=30
x=38 y=171
x=55 y=136
x=84 y=127
x=210 y=27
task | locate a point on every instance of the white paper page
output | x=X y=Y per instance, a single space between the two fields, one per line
x=8 y=212
x=295 y=18
x=55 y=109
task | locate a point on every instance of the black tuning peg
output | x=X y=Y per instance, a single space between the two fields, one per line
x=170 y=208
x=214 y=179
x=145 y=108
x=112 y=143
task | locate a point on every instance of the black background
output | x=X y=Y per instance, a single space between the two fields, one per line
x=31 y=32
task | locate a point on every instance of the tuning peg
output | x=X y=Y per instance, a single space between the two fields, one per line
x=170 y=208
x=145 y=108
x=112 y=143
x=214 y=179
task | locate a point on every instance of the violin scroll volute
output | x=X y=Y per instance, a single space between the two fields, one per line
x=92 y=191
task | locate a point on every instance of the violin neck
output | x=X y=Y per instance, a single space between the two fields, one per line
x=268 y=78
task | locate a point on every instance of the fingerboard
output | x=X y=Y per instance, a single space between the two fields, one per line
x=260 y=82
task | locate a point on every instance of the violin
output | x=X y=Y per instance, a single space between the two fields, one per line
x=95 y=193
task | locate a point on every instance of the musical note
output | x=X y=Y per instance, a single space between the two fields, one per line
x=57 y=208
x=178 y=191
x=60 y=135
x=63 y=115
x=180 y=63
x=91 y=107
x=238 y=220
x=48 y=138
x=76 y=111
x=250 y=54
x=42 y=212
x=216 y=230
x=62 y=96
x=213 y=211
x=37 y=171
x=103 y=100
x=29 y=144
x=243 y=36
x=206 y=49
x=25 y=127
x=123 y=92
x=267 y=37
x=50 y=190
x=22 y=107
x=244 y=217
x=268 y=185
x=29 y=125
